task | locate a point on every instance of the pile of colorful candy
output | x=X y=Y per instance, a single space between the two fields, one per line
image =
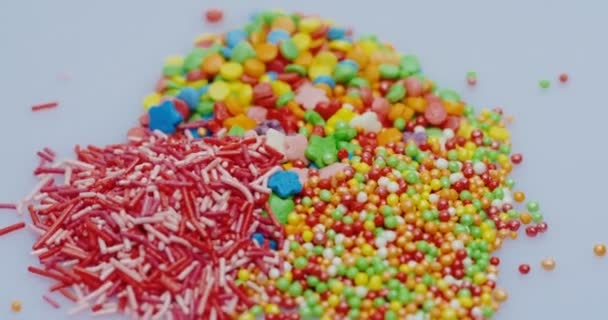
x=392 y=197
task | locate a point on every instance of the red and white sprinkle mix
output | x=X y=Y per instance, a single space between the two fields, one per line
x=155 y=228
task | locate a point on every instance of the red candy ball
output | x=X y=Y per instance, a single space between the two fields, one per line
x=524 y=268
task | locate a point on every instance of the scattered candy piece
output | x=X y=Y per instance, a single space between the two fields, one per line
x=44 y=106
x=599 y=249
x=563 y=78
x=16 y=306
x=472 y=78
x=501 y=295
x=214 y=15
x=11 y=228
x=10 y=206
x=548 y=264
x=524 y=268
x=544 y=83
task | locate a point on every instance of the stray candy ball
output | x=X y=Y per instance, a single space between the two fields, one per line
x=544 y=83
x=524 y=268
x=472 y=78
x=214 y=15
x=563 y=78
x=599 y=249
x=16 y=306
x=501 y=295
x=548 y=264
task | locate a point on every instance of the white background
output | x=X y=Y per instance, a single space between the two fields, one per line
x=113 y=51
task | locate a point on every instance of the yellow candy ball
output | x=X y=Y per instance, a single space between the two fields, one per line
x=392 y=199
x=449 y=314
x=395 y=306
x=361 y=279
x=337 y=288
x=369 y=225
x=293 y=218
x=479 y=278
x=307 y=235
x=272 y=309
x=375 y=283
x=333 y=300
x=466 y=302
x=244 y=274
x=367 y=250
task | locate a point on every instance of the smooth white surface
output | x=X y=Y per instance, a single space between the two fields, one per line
x=113 y=51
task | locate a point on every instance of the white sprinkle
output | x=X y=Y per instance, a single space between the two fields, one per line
x=101 y=290
x=131 y=273
x=187 y=271
x=106 y=273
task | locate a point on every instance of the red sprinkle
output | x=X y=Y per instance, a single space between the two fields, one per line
x=51 y=301
x=524 y=268
x=214 y=15
x=8 y=206
x=12 y=228
x=563 y=78
x=44 y=106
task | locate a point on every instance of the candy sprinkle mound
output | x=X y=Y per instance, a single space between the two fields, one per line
x=288 y=170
